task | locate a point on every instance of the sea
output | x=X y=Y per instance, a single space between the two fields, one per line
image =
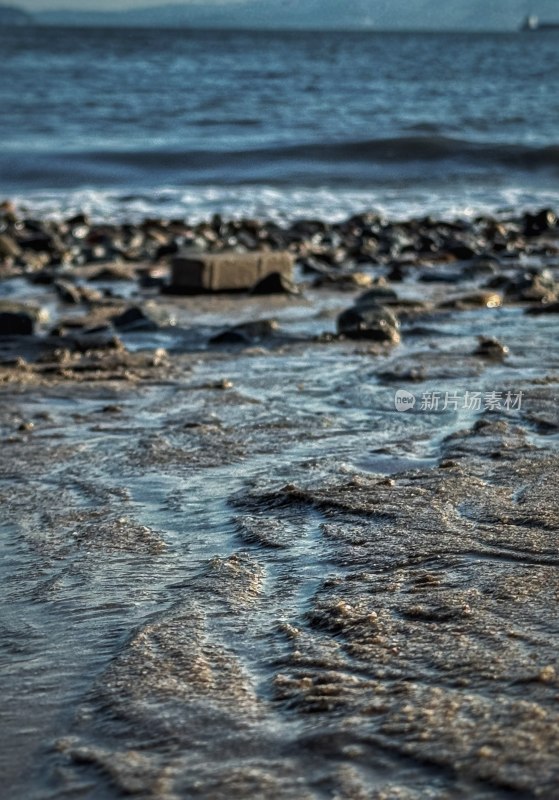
x=180 y=123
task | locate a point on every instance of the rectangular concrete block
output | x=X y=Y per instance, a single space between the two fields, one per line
x=226 y=272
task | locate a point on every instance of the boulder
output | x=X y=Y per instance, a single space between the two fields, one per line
x=194 y=273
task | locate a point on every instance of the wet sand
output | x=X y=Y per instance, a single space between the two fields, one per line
x=237 y=570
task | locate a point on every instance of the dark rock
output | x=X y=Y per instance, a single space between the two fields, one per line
x=491 y=348
x=230 y=336
x=275 y=283
x=536 y=224
x=68 y=292
x=369 y=322
x=544 y=308
x=134 y=319
x=377 y=296
x=16 y=324
x=39 y=243
x=100 y=338
x=168 y=249
x=531 y=286
x=246 y=332
x=479 y=299
x=78 y=220
x=43 y=277
x=397 y=273
x=462 y=252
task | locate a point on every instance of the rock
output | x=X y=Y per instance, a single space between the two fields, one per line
x=37 y=314
x=78 y=220
x=377 y=296
x=461 y=251
x=38 y=242
x=479 y=299
x=134 y=319
x=68 y=292
x=90 y=295
x=539 y=287
x=9 y=248
x=492 y=348
x=536 y=224
x=544 y=308
x=275 y=283
x=100 y=338
x=376 y=323
x=227 y=271
x=246 y=332
x=530 y=286
x=113 y=272
x=348 y=281
x=16 y=324
x=43 y=277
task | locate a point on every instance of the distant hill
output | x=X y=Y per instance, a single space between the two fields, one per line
x=236 y=14
x=11 y=15
x=498 y=15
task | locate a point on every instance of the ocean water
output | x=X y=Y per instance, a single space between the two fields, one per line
x=136 y=122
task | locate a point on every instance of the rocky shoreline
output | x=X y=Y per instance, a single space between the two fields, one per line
x=257 y=575
x=105 y=279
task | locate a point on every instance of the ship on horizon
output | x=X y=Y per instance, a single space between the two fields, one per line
x=532 y=23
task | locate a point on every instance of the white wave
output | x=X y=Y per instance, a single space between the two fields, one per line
x=283 y=205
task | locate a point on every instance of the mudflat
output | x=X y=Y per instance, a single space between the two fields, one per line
x=296 y=545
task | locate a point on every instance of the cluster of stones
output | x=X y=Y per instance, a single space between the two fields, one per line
x=365 y=251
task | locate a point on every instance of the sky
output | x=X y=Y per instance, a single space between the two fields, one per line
x=412 y=10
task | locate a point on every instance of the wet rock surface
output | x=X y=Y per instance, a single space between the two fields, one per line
x=245 y=571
